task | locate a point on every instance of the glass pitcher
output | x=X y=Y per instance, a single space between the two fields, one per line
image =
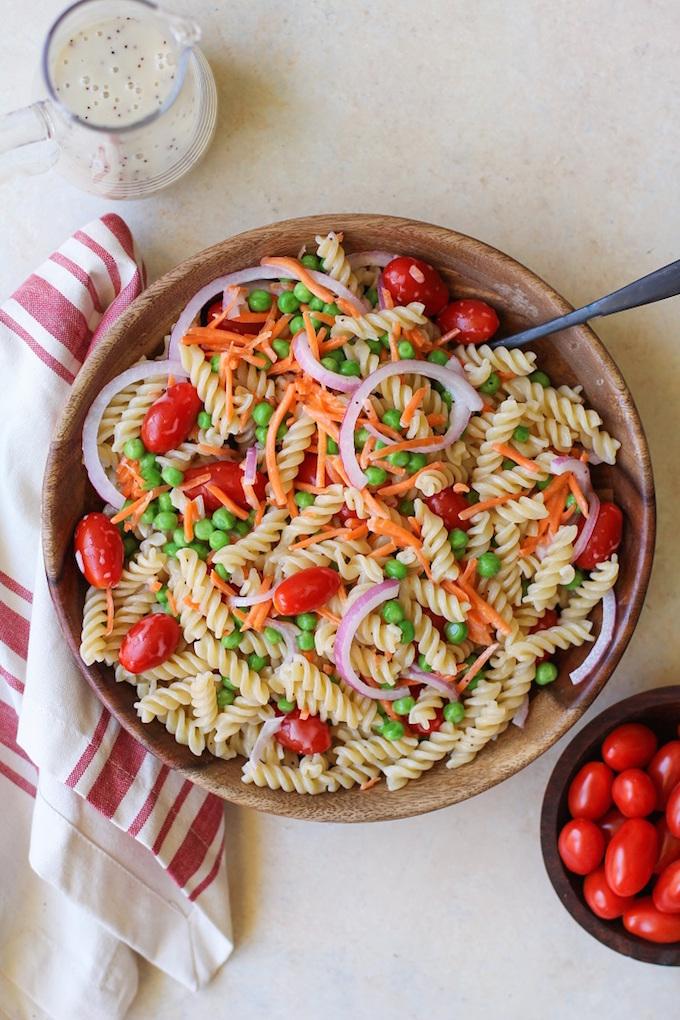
x=131 y=102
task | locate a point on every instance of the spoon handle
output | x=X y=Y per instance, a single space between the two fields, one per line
x=662 y=283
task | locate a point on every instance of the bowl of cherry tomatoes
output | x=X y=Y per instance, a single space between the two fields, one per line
x=610 y=827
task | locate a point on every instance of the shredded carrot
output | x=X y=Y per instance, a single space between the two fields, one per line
x=321 y=536
x=191 y=604
x=238 y=613
x=248 y=317
x=394 y=531
x=436 y=419
x=332 y=344
x=109 y=611
x=304 y=714
x=339 y=469
x=469 y=571
x=172 y=604
x=476 y=666
x=328 y=615
x=511 y=453
x=293 y=508
x=259 y=514
x=414 y=525
x=226 y=501
x=383 y=550
x=379 y=426
x=295 y=268
x=279 y=325
x=399 y=487
x=311 y=335
x=155 y=585
x=287 y=365
x=394 y=353
x=487 y=611
x=251 y=499
x=139 y=504
x=348 y=307
x=376 y=506
x=321 y=458
x=412 y=406
x=189 y=517
x=357 y=533
x=212 y=451
x=217 y=337
x=487 y=504
x=452 y=333
x=581 y=501
x=225 y=588
x=324 y=317
x=365 y=453
x=201 y=480
x=306 y=487
x=478 y=630
x=255 y=615
x=406 y=444
x=388 y=300
x=369 y=784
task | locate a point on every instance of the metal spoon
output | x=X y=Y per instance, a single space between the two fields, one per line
x=661 y=284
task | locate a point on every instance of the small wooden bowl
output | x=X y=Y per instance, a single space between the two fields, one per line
x=660 y=710
x=472 y=269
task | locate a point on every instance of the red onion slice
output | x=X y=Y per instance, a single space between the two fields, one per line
x=269 y=728
x=342 y=648
x=358 y=259
x=142 y=370
x=250 y=466
x=465 y=401
x=380 y=292
x=559 y=466
x=435 y=680
x=289 y=632
x=603 y=641
x=252 y=600
x=309 y=364
x=520 y=716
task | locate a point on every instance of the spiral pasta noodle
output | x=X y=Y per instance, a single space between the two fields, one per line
x=334 y=261
x=373 y=324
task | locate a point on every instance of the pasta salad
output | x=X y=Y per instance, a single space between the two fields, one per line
x=343 y=534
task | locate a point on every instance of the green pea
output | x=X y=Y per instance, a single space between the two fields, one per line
x=329 y=363
x=281 y=431
x=438 y=357
x=380 y=445
x=179 y=539
x=447 y=398
x=165 y=502
x=223 y=519
x=162 y=594
x=392 y=418
x=262 y=413
x=458 y=539
x=393 y=730
x=203 y=529
x=316 y=323
x=402 y=706
x=408 y=632
x=305 y=641
x=170 y=549
x=147 y=461
x=288 y=303
x=376 y=475
x=331 y=445
x=204 y=420
x=227 y=684
x=311 y=261
x=306 y=621
x=393 y=568
x=166 y=520
x=385 y=341
x=456 y=633
x=302 y=293
x=472 y=497
x=284 y=705
x=416 y=461
x=296 y=325
x=259 y=301
x=257 y=662
x=360 y=437
x=577 y=580
x=492 y=384
x=544 y=483
x=221 y=571
x=225 y=697
x=149 y=514
x=232 y=641
x=172 y=476
x=134 y=449
x=351 y=368
x=424 y=664
x=374 y=346
x=372 y=296
x=392 y=612
x=488 y=564
x=383 y=713
x=507 y=464
x=546 y=672
x=405 y=349
x=331 y=308
x=521 y=434
x=152 y=479
x=316 y=304
x=218 y=540
x=541 y=378
x=201 y=549
x=407 y=508
x=272 y=635
x=474 y=683
x=570 y=502
x=304 y=499
x=454 y=712
x=261 y=434
x=130 y=545
x=242 y=528
x=282 y=347
x=400 y=459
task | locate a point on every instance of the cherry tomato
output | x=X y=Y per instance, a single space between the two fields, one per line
x=307 y=470
x=611 y=823
x=590 y=793
x=306 y=590
x=99 y=550
x=431 y=726
x=346 y=515
x=669 y=847
x=476 y=321
x=171 y=418
x=645 y=921
x=673 y=811
x=605 y=538
x=410 y=279
x=304 y=736
x=601 y=900
x=149 y=642
x=438 y=621
x=581 y=846
x=664 y=768
x=447 y=504
x=666 y=892
x=630 y=746
x=634 y=793
x=631 y=856
x=549 y=619
x=227 y=475
x=215 y=309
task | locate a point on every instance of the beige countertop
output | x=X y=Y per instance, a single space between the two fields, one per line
x=551 y=131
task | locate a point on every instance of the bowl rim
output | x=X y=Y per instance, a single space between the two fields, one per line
x=610 y=934
x=324 y=808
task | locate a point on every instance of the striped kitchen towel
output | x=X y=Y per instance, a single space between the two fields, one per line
x=134 y=849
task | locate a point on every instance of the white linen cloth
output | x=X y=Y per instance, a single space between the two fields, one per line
x=125 y=854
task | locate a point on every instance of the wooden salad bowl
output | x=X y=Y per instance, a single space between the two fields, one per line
x=660 y=710
x=471 y=268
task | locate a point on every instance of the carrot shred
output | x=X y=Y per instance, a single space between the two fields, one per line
x=366 y=451
x=321 y=536
x=332 y=344
x=227 y=502
x=172 y=604
x=379 y=426
x=394 y=353
x=511 y=453
x=581 y=501
x=476 y=666
x=399 y=487
x=436 y=419
x=109 y=611
x=293 y=509
x=376 y=506
x=394 y=531
x=295 y=268
x=328 y=615
x=406 y=444
x=139 y=504
x=304 y=714
x=487 y=504
x=189 y=518
x=154 y=586
x=369 y=784
x=259 y=514
x=311 y=335
x=201 y=480
x=487 y=611
x=191 y=604
x=221 y=585
x=412 y=406
x=383 y=550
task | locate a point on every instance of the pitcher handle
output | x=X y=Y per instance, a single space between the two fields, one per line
x=27 y=143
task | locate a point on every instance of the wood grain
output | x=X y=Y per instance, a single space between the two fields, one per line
x=659 y=709
x=471 y=268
